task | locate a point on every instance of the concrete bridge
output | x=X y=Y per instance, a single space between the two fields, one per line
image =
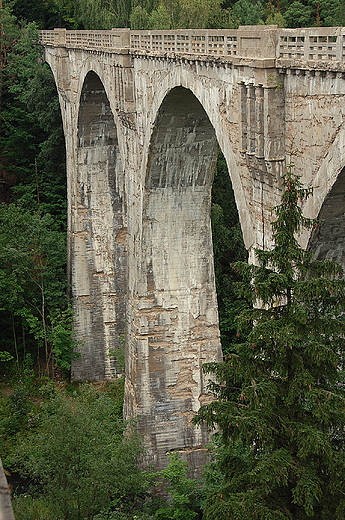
x=143 y=115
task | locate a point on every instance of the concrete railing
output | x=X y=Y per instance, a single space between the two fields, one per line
x=262 y=42
x=114 y=39
x=321 y=44
x=201 y=42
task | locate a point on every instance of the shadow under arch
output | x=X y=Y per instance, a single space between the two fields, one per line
x=184 y=147
x=180 y=283
x=98 y=238
x=327 y=240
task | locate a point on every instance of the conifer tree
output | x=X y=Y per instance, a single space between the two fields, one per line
x=281 y=395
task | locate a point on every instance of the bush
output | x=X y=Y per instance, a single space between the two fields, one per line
x=80 y=457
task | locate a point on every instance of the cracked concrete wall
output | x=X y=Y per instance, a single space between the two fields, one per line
x=141 y=137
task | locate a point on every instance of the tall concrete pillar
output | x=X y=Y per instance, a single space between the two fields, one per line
x=174 y=318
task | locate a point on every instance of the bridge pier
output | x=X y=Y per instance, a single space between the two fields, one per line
x=174 y=327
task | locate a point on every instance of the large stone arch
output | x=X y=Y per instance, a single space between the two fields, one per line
x=182 y=77
x=176 y=220
x=97 y=237
x=176 y=329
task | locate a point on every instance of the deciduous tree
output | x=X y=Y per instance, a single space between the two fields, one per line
x=80 y=459
x=33 y=300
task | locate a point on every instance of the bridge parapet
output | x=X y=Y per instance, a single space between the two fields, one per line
x=322 y=45
x=201 y=42
x=101 y=40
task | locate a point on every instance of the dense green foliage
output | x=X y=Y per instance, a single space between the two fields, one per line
x=32 y=157
x=185 y=492
x=228 y=247
x=34 y=310
x=33 y=302
x=72 y=457
x=168 y=14
x=69 y=446
x=281 y=394
x=79 y=458
x=230 y=14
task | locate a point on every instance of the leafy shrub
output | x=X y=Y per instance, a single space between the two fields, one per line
x=81 y=457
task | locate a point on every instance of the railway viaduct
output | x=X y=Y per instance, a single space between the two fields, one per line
x=144 y=114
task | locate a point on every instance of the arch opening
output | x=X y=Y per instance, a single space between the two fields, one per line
x=180 y=278
x=228 y=247
x=327 y=240
x=99 y=239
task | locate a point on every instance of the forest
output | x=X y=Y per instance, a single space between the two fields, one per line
x=280 y=394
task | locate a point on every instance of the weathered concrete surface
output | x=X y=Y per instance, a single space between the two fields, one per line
x=328 y=239
x=98 y=237
x=174 y=310
x=142 y=128
x=315 y=132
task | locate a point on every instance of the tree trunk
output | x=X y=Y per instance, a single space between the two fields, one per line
x=6 y=512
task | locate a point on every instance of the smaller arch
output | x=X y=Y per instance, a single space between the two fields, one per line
x=328 y=239
x=92 y=67
x=96 y=126
x=324 y=180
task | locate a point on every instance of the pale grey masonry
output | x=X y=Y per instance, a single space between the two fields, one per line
x=143 y=115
